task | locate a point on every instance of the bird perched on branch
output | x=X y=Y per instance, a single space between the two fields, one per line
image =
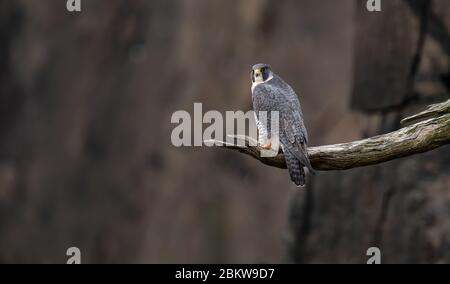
x=271 y=94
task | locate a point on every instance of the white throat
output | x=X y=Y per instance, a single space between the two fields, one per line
x=257 y=82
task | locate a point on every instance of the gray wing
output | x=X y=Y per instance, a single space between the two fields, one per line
x=294 y=141
x=293 y=134
x=293 y=104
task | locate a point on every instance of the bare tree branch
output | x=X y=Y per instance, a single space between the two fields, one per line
x=431 y=129
x=432 y=111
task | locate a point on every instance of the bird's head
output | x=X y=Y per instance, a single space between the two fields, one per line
x=261 y=73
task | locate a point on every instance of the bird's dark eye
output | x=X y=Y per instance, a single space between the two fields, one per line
x=265 y=75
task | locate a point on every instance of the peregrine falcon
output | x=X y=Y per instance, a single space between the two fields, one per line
x=271 y=93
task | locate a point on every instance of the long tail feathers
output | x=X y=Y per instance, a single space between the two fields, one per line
x=296 y=170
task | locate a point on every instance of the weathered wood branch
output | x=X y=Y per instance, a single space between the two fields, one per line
x=431 y=129
x=432 y=111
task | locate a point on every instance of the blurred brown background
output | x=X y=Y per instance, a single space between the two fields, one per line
x=85 y=152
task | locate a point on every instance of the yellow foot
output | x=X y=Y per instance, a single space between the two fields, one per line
x=266 y=146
